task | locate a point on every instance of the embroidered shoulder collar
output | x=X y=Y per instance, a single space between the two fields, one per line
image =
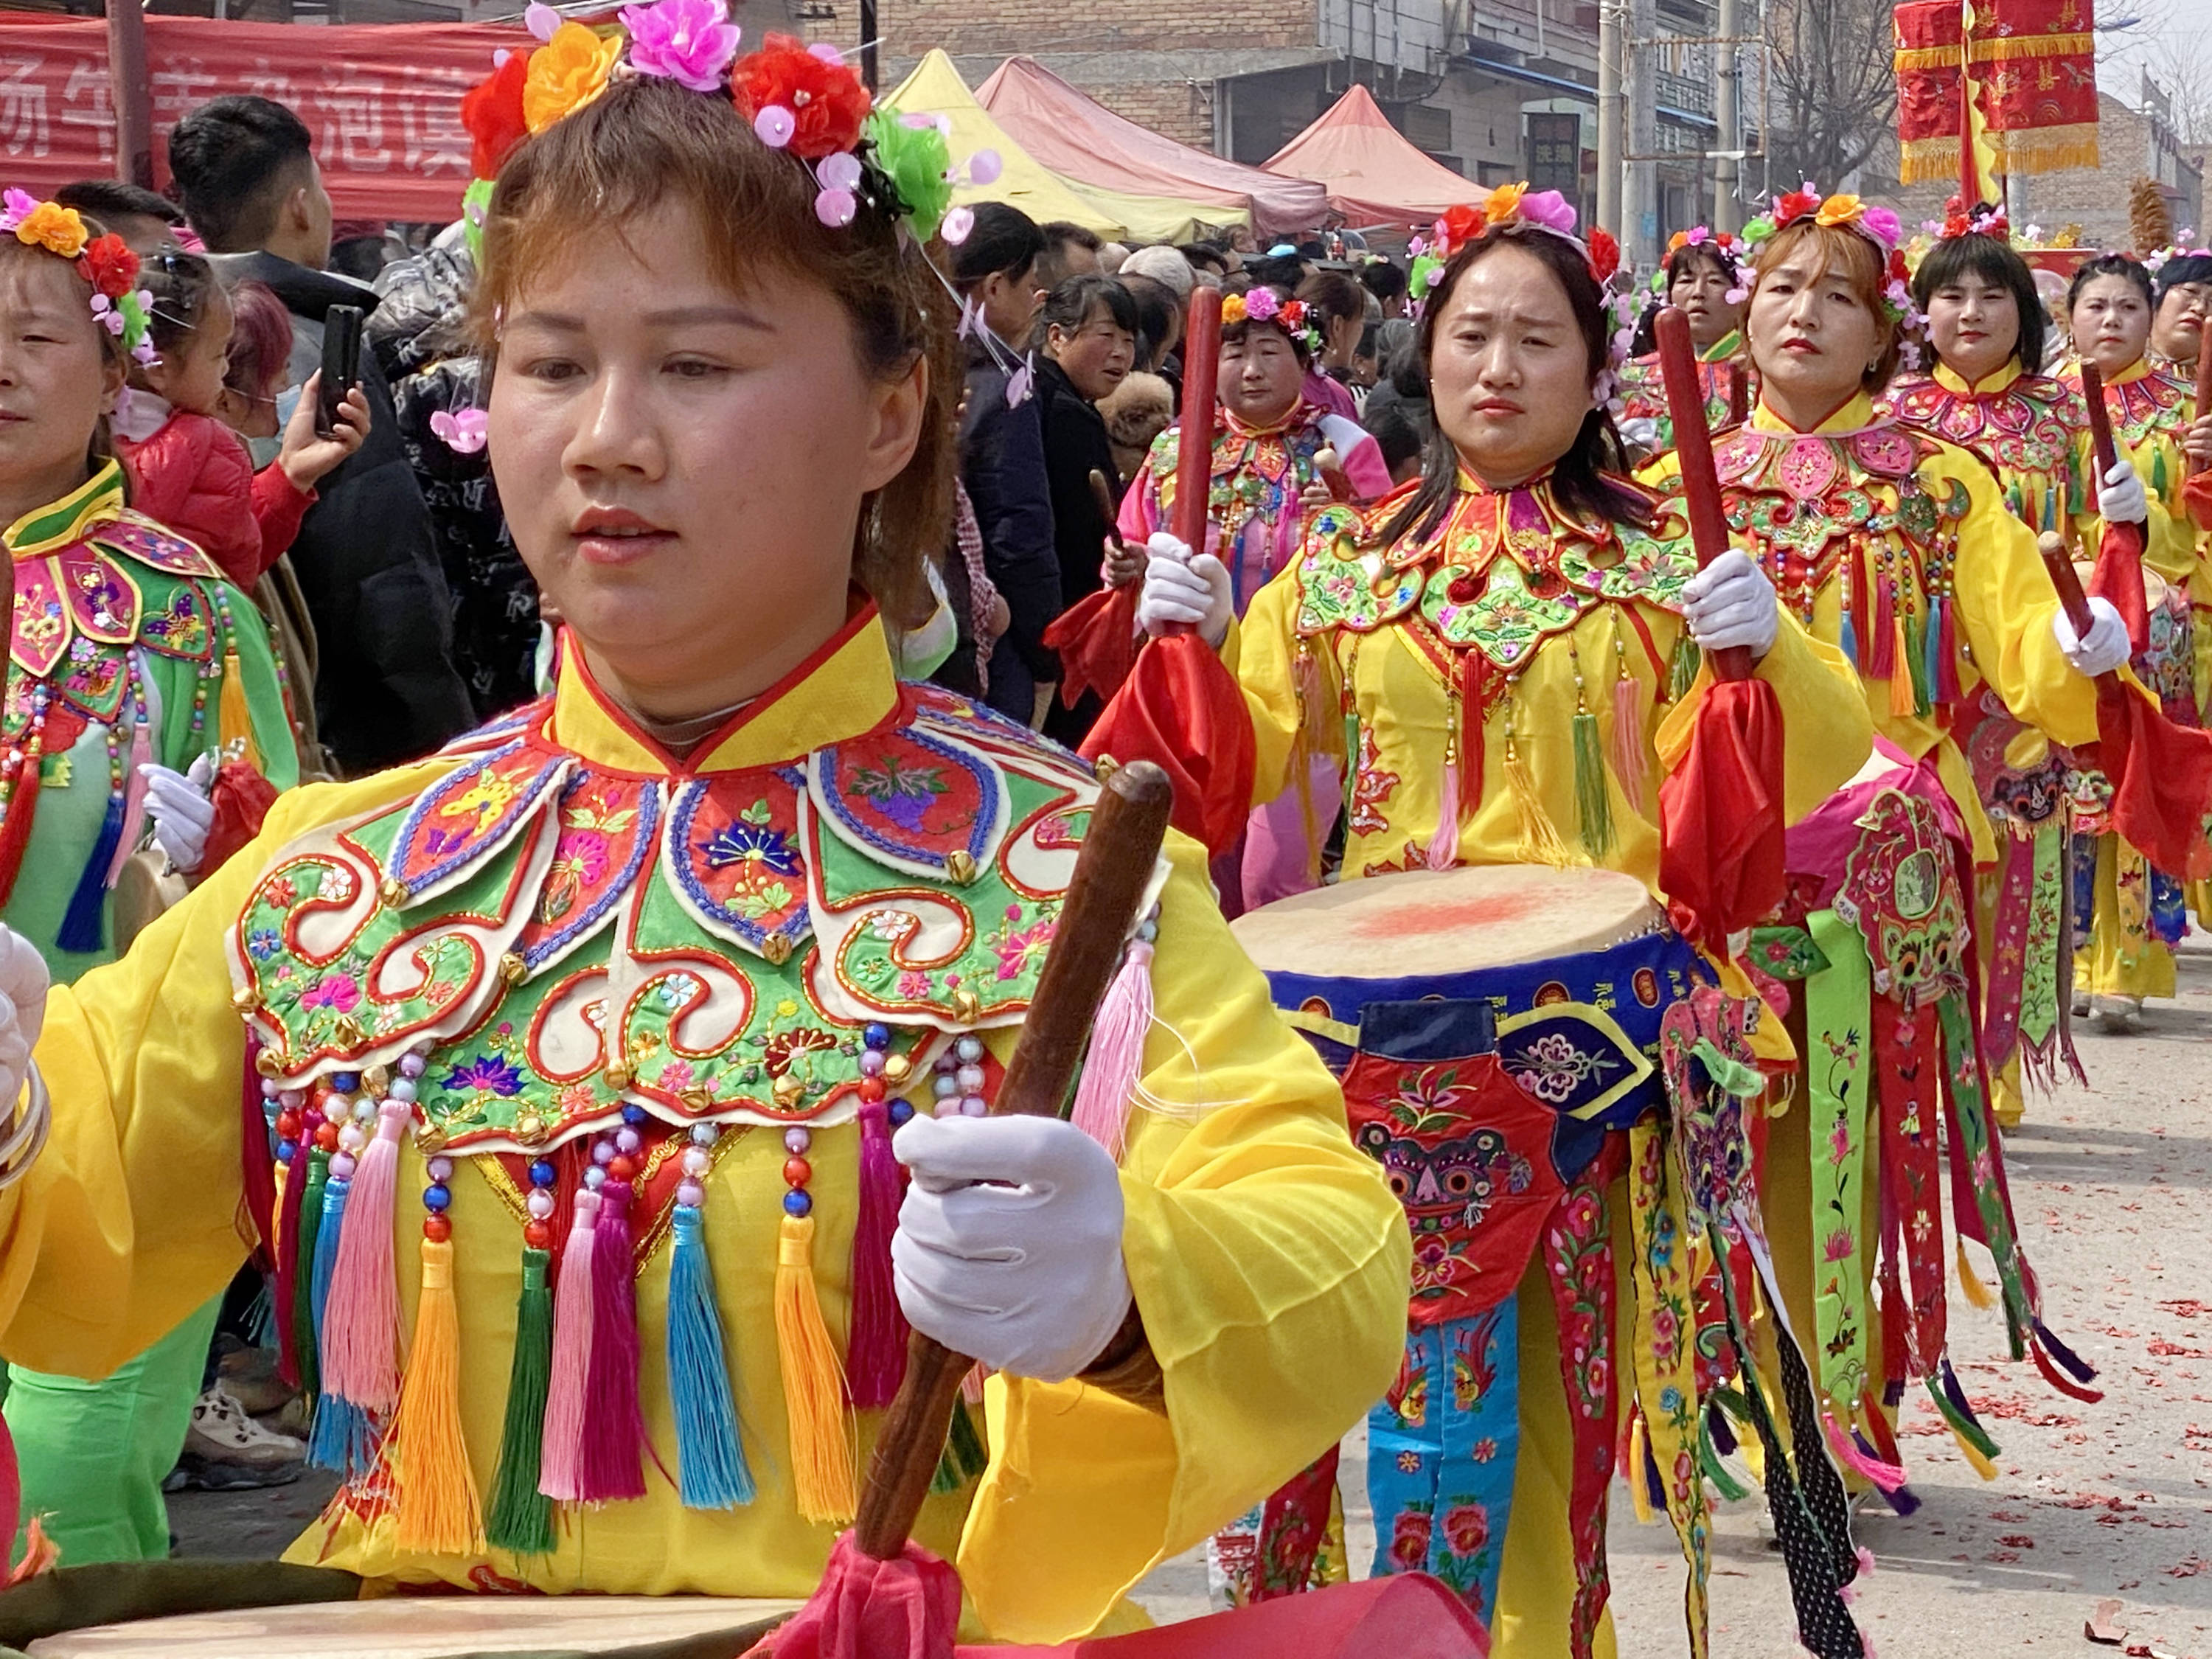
x=575 y=938
x=2028 y=425
x=122 y=581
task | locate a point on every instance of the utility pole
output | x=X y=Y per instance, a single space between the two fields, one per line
x=868 y=45
x=1609 y=113
x=1643 y=215
x=134 y=105
x=1728 y=118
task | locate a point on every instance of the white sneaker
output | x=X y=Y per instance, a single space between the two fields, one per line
x=225 y=1449
x=2117 y=1016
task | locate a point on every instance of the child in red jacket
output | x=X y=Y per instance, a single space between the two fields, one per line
x=187 y=468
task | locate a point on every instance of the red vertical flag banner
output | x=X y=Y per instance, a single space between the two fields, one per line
x=1928 y=63
x=384 y=102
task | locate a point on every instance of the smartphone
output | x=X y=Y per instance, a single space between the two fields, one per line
x=340 y=365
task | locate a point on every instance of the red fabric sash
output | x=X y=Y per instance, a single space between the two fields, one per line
x=1183 y=709
x=1720 y=817
x=1909 y=1058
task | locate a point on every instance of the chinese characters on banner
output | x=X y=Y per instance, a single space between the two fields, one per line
x=384 y=102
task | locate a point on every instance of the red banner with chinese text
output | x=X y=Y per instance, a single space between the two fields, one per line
x=384 y=102
x=2034 y=67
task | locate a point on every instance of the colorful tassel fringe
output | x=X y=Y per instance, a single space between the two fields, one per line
x=813 y=1385
x=710 y=1458
x=1970 y=1282
x=84 y=925
x=234 y=719
x=361 y=1330
x=875 y=1356
x=522 y=1520
x=437 y=1509
x=301 y=1351
x=964 y=1458
x=134 y=799
x=1106 y=1092
x=614 y=1444
x=22 y=811
x=1593 y=795
x=1443 y=845
x=1883 y=1477
x=1540 y=841
x=341 y=1430
x=1629 y=767
x=560 y=1470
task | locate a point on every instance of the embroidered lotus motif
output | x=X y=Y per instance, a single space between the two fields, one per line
x=901 y=792
x=492 y=1074
x=339 y=992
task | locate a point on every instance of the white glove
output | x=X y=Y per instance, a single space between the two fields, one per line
x=1730 y=602
x=2120 y=498
x=2105 y=648
x=22 y=1012
x=178 y=804
x=1009 y=1242
x=1183 y=588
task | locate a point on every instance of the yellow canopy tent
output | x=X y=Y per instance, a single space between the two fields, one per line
x=935 y=88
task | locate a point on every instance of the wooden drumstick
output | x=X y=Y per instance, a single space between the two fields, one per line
x=1201 y=368
x=1097 y=912
x=2100 y=421
x=2203 y=405
x=2067 y=580
x=1102 y=496
x=1693 y=451
x=1332 y=473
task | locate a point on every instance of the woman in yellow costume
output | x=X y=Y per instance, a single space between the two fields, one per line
x=1896 y=546
x=1702 y=276
x=2127 y=915
x=623 y=994
x=1986 y=326
x=1503 y=660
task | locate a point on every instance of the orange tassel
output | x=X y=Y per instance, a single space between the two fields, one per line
x=1901 y=674
x=436 y=1506
x=233 y=720
x=813 y=1383
x=1540 y=838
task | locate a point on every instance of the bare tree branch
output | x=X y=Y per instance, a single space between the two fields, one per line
x=1835 y=90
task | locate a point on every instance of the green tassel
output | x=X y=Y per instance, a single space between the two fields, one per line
x=1916 y=655
x=1683 y=670
x=964 y=1458
x=303 y=1280
x=1593 y=798
x=1972 y=1432
x=2158 y=473
x=522 y=1520
x=1350 y=742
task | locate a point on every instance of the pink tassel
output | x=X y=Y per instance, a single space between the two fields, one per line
x=1886 y=1476
x=971 y=1386
x=614 y=1427
x=360 y=1324
x=560 y=1458
x=1109 y=1084
x=1866 y=1562
x=1628 y=767
x=1443 y=846
x=134 y=799
x=875 y=1358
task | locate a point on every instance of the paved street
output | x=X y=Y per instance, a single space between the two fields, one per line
x=2112 y=1186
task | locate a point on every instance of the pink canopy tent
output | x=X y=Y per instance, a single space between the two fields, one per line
x=1077 y=136
x=1373 y=175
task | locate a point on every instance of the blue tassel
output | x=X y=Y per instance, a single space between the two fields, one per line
x=1849 y=643
x=710 y=1456
x=341 y=1432
x=84 y=925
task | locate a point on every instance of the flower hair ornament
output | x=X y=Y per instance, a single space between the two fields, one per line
x=1552 y=213
x=1263 y=305
x=118 y=304
x=1957 y=222
x=807 y=101
x=1878 y=225
x=1720 y=242
x=2184 y=247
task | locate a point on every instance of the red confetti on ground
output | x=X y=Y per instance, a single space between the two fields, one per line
x=2188 y=1567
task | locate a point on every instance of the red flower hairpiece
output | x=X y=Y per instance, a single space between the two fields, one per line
x=825 y=95
x=492 y=111
x=1604 y=254
x=109 y=265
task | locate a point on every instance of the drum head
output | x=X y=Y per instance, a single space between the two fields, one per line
x=1423 y=922
x=420 y=1627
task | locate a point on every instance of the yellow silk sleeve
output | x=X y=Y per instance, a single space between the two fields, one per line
x=131 y=1217
x=1826 y=731
x=2005 y=607
x=1261 y=650
x=1270 y=1263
